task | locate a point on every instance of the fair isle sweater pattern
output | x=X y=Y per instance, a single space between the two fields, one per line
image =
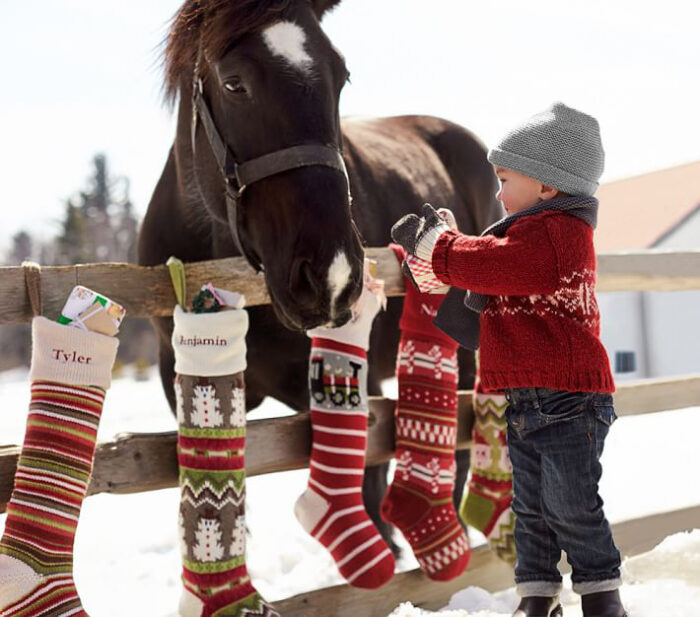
x=575 y=299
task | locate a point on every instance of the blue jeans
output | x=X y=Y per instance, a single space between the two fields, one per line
x=555 y=440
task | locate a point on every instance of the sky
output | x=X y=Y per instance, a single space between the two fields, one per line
x=81 y=77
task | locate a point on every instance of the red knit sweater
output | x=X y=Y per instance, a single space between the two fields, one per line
x=541 y=328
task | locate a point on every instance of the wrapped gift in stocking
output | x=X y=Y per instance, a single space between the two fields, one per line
x=486 y=503
x=70 y=373
x=331 y=509
x=210 y=357
x=419 y=500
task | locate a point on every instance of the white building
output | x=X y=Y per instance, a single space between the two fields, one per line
x=651 y=334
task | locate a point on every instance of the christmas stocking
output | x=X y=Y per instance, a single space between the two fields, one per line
x=419 y=500
x=210 y=357
x=331 y=509
x=486 y=503
x=70 y=373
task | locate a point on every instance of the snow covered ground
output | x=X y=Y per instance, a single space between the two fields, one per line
x=664 y=582
x=127 y=559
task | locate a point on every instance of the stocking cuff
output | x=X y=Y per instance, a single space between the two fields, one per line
x=71 y=356
x=210 y=344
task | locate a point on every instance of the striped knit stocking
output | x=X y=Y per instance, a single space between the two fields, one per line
x=211 y=447
x=419 y=500
x=331 y=509
x=486 y=503
x=70 y=373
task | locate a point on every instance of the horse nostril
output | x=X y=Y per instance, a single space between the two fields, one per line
x=302 y=283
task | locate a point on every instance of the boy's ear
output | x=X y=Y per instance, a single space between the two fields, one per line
x=547 y=192
x=322 y=6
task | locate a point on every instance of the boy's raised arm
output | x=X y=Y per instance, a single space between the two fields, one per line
x=524 y=262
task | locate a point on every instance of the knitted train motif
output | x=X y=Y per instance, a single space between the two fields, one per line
x=341 y=388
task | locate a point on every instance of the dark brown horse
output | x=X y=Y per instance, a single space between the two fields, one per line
x=255 y=171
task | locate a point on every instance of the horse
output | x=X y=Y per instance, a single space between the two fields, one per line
x=262 y=166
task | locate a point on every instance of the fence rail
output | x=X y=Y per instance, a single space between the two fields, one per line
x=143 y=462
x=147 y=291
x=137 y=462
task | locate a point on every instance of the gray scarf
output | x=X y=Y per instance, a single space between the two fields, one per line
x=459 y=314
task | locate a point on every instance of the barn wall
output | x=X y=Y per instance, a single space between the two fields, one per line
x=622 y=329
x=674 y=317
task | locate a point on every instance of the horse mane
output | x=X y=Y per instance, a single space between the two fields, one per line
x=215 y=25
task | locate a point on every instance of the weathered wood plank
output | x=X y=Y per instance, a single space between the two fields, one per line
x=651 y=270
x=142 y=291
x=148 y=292
x=485 y=571
x=660 y=394
x=142 y=462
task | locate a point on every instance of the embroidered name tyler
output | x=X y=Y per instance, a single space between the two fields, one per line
x=64 y=357
x=195 y=341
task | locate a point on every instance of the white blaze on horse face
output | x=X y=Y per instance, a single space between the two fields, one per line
x=287 y=39
x=338 y=277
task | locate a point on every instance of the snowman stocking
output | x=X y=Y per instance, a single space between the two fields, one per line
x=486 y=503
x=70 y=373
x=210 y=357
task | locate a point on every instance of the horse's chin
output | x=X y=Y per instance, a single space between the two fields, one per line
x=287 y=321
x=340 y=320
x=299 y=323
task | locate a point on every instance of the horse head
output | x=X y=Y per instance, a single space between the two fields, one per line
x=259 y=143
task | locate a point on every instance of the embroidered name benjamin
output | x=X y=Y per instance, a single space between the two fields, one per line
x=195 y=341
x=64 y=357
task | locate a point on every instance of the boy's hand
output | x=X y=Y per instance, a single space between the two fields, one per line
x=418 y=235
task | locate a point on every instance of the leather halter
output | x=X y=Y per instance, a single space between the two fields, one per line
x=239 y=176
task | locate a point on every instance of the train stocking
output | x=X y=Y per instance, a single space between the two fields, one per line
x=331 y=509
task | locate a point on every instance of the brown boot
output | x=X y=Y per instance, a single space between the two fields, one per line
x=538 y=606
x=603 y=604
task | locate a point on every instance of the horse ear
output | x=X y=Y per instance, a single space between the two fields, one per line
x=322 y=6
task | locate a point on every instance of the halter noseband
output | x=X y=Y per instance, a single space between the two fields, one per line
x=239 y=176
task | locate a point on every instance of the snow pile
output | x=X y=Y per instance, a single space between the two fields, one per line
x=677 y=558
x=663 y=582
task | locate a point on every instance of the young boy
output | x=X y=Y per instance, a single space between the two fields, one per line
x=531 y=276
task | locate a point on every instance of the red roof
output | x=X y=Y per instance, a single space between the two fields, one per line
x=635 y=212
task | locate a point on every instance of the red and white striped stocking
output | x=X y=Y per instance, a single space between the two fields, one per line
x=331 y=509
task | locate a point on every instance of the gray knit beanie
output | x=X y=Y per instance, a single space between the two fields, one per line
x=560 y=147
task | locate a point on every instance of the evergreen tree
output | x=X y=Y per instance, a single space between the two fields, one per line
x=97 y=225
x=22 y=248
x=72 y=241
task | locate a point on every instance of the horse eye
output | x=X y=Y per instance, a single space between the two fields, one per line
x=235 y=85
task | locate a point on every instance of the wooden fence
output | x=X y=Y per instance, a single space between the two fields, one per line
x=142 y=462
